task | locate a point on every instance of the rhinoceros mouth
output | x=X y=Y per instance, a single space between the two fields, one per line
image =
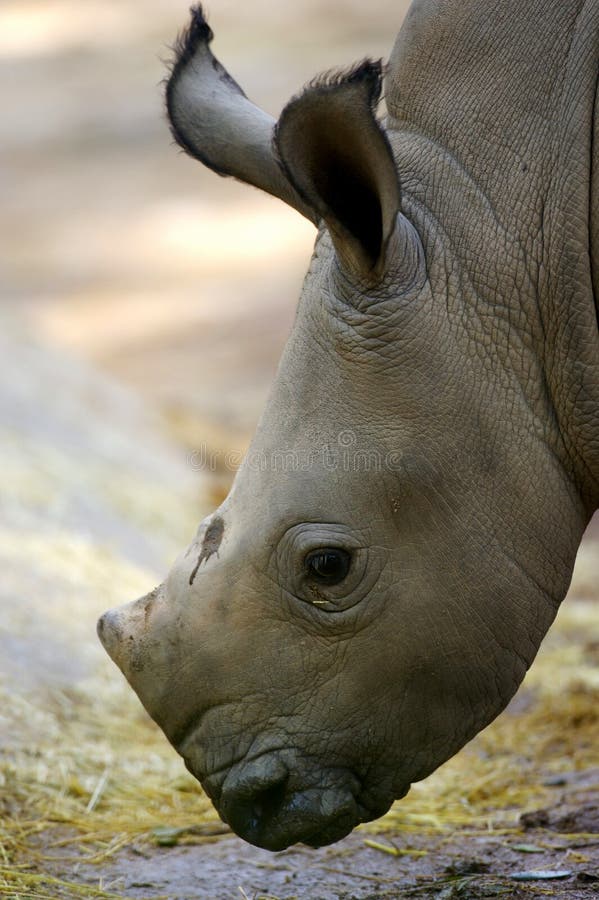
x=277 y=799
x=277 y=815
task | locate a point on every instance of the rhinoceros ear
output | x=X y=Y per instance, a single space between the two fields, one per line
x=338 y=158
x=212 y=119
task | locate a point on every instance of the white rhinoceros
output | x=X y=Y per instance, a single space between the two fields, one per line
x=372 y=591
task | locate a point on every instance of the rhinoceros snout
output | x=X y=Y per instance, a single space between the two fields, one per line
x=127 y=634
x=109 y=632
x=261 y=804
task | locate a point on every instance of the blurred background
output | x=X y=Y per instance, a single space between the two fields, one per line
x=120 y=250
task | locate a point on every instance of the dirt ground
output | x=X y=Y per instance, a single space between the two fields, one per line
x=144 y=305
x=364 y=867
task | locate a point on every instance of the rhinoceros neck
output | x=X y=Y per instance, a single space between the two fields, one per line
x=491 y=109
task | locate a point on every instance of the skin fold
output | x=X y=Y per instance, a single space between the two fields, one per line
x=431 y=435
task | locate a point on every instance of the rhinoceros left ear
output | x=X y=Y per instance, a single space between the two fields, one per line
x=339 y=160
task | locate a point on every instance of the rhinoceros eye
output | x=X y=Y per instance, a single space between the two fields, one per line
x=329 y=565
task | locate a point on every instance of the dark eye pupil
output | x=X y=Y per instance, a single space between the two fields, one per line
x=328 y=566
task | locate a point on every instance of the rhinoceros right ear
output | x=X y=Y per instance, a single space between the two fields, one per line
x=338 y=158
x=212 y=119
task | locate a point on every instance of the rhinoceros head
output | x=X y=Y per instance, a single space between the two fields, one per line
x=373 y=589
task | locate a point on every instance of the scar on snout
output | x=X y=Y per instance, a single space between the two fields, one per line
x=212 y=541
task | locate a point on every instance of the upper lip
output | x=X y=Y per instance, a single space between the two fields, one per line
x=212 y=781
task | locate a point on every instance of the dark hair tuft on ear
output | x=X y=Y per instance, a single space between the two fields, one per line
x=368 y=72
x=197 y=31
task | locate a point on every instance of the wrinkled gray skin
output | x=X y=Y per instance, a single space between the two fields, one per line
x=434 y=413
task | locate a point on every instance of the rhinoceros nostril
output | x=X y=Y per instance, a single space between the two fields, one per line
x=268 y=801
x=253 y=797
